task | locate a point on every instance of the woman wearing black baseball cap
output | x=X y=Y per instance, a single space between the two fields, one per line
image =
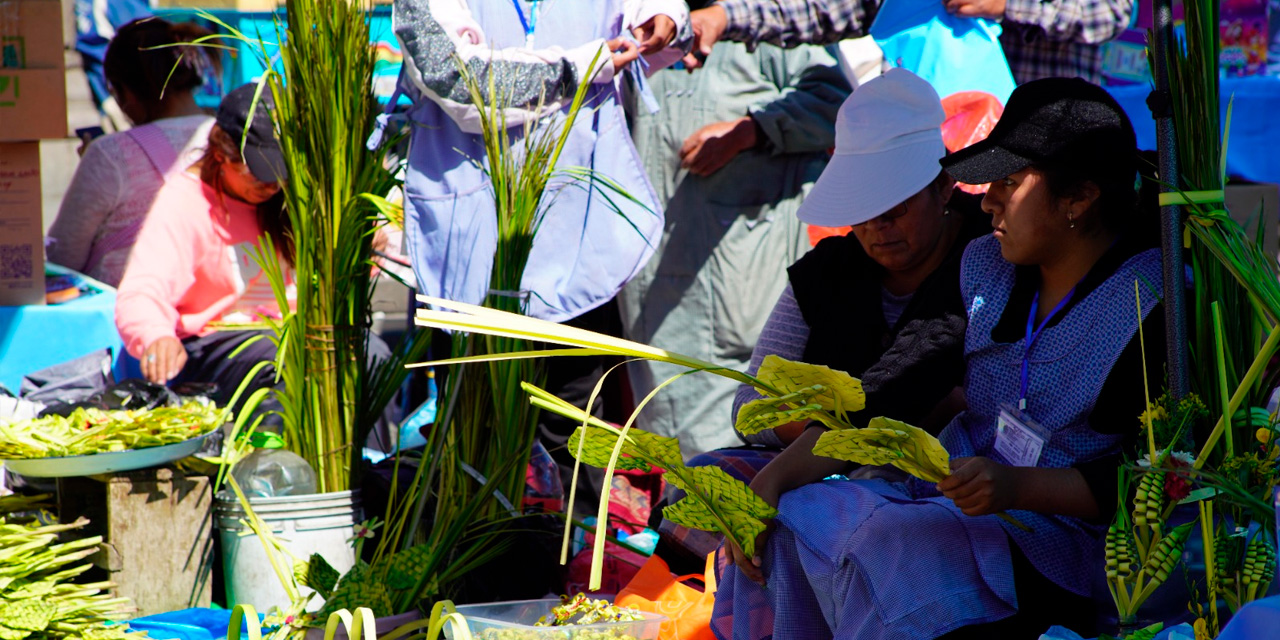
x=1054 y=388
x=182 y=274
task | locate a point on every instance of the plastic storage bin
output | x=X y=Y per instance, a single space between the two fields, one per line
x=515 y=621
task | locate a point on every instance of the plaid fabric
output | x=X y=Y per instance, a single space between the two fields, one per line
x=1061 y=37
x=741 y=463
x=1041 y=38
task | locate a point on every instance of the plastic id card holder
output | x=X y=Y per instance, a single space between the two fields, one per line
x=1019 y=439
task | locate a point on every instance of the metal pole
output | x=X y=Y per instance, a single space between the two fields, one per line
x=1175 y=302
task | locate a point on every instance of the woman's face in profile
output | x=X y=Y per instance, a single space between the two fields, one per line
x=1025 y=217
x=240 y=183
x=906 y=235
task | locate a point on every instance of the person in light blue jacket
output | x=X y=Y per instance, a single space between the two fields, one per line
x=536 y=53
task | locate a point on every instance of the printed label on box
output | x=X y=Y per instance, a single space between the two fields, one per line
x=21 y=225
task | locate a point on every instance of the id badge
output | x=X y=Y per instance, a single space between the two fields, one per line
x=1019 y=440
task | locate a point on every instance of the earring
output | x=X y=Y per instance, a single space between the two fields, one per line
x=1072 y=222
x=946 y=212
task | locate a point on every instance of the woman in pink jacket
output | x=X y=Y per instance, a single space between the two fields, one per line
x=182 y=275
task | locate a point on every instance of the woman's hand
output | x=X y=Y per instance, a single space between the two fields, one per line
x=624 y=51
x=163 y=360
x=712 y=147
x=708 y=25
x=655 y=34
x=751 y=566
x=981 y=486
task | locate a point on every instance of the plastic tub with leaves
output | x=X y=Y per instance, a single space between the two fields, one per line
x=516 y=620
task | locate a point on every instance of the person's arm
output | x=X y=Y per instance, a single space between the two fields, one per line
x=1083 y=21
x=982 y=486
x=95 y=191
x=812 y=88
x=533 y=82
x=157 y=278
x=662 y=42
x=785 y=335
x=791 y=23
x=1119 y=405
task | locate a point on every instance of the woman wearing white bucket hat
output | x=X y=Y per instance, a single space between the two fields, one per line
x=882 y=302
x=884 y=298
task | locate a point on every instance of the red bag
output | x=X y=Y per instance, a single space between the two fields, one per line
x=970 y=117
x=688 y=610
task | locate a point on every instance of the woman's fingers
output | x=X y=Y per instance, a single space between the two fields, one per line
x=656 y=33
x=750 y=567
x=177 y=360
x=961 y=473
x=624 y=50
x=163 y=360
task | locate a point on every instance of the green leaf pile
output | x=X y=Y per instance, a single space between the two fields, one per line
x=87 y=430
x=714 y=500
x=376 y=586
x=38 y=600
x=317 y=574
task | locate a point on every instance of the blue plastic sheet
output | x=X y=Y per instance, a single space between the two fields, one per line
x=35 y=337
x=952 y=53
x=186 y=624
x=1178 y=632
x=1254 y=135
x=1258 y=619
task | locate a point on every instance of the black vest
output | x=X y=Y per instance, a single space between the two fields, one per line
x=905 y=369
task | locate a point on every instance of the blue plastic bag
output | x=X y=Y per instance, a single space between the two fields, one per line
x=952 y=53
x=1182 y=631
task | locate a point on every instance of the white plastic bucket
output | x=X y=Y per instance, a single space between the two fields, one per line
x=320 y=523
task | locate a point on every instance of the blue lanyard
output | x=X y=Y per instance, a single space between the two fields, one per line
x=1032 y=336
x=532 y=22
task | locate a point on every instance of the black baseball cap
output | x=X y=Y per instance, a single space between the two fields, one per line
x=1056 y=123
x=257 y=139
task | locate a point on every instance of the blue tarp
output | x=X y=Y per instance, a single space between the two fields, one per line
x=1255 y=131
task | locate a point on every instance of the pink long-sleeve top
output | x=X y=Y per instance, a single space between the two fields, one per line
x=182 y=274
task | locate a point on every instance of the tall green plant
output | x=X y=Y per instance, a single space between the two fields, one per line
x=1193 y=68
x=324 y=112
x=1234 y=317
x=472 y=475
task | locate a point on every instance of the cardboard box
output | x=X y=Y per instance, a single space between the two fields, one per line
x=33 y=91
x=21 y=229
x=33 y=104
x=31 y=34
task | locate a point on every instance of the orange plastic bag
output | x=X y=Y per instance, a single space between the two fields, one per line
x=970 y=117
x=657 y=590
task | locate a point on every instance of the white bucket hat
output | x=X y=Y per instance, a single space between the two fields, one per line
x=888 y=144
